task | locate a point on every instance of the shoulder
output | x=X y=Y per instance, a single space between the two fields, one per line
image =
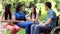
x=51 y=12
x=14 y=13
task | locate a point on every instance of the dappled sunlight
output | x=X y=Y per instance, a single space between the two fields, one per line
x=1 y=7
x=39 y=4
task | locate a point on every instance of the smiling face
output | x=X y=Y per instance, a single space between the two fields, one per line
x=21 y=8
x=10 y=8
x=32 y=9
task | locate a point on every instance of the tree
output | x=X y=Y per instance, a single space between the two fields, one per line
x=57 y=5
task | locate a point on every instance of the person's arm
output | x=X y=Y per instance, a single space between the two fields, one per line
x=28 y=17
x=36 y=18
x=1 y=20
x=51 y=15
x=48 y=22
x=2 y=14
x=6 y=21
x=14 y=19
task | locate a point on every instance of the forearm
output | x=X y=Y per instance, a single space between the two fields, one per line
x=16 y=21
x=4 y=20
x=48 y=22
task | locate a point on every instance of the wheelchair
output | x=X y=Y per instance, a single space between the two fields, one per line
x=55 y=30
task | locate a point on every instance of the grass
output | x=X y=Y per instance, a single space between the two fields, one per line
x=22 y=31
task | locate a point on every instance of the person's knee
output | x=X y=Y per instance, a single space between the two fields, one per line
x=36 y=27
x=32 y=26
x=29 y=23
x=12 y=29
x=17 y=29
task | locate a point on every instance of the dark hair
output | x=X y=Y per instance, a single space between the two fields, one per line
x=18 y=6
x=48 y=4
x=7 y=12
x=34 y=12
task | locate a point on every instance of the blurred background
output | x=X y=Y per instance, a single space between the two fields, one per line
x=40 y=8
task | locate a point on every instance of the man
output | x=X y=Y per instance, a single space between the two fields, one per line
x=48 y=24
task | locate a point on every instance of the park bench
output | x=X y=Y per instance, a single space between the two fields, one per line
x=55 y=30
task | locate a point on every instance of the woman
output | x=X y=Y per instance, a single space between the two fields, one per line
x=8 y=16
x=33 y=16
x=19 y=15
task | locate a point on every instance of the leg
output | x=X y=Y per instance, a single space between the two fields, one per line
x=39 y=28
x=12 y=29
x=33 y=28
x=37 y=31
x=5 y=25
x=17 y=28
x=27 y=29
x=26 y=25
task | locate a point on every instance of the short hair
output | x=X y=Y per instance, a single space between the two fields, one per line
x=48 y=4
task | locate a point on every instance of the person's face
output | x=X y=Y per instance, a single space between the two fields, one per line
x=32 y=9
x=21 y=8
x=10 y=8
x=46 y=8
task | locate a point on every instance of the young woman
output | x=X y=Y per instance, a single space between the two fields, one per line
x=7 y=15
x=19 y=15
x=33 y=16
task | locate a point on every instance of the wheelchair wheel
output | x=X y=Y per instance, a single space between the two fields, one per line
x=55 y=30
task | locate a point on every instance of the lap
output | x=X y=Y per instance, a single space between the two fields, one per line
x=43 y=27
x=17 y=27
x=23 y=24
x=9 y=27
x=33 y=25
x=12 y=27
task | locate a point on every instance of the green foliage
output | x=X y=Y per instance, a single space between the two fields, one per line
x=39 y=12
x=32 y=2
x=26 y=12
x=35 y=1
x=43 y=1
x=57 y=5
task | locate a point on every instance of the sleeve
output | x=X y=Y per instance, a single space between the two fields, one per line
x=14 y=14
x=51 y=14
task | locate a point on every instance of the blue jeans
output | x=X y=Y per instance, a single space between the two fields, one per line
x=26 y=25
x=36 y=28
x=33 y=28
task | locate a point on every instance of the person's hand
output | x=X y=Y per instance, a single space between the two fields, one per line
x=33 y=20
x=43 y=24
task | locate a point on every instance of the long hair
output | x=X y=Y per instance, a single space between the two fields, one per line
x=7 y=12
x=34 y=13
